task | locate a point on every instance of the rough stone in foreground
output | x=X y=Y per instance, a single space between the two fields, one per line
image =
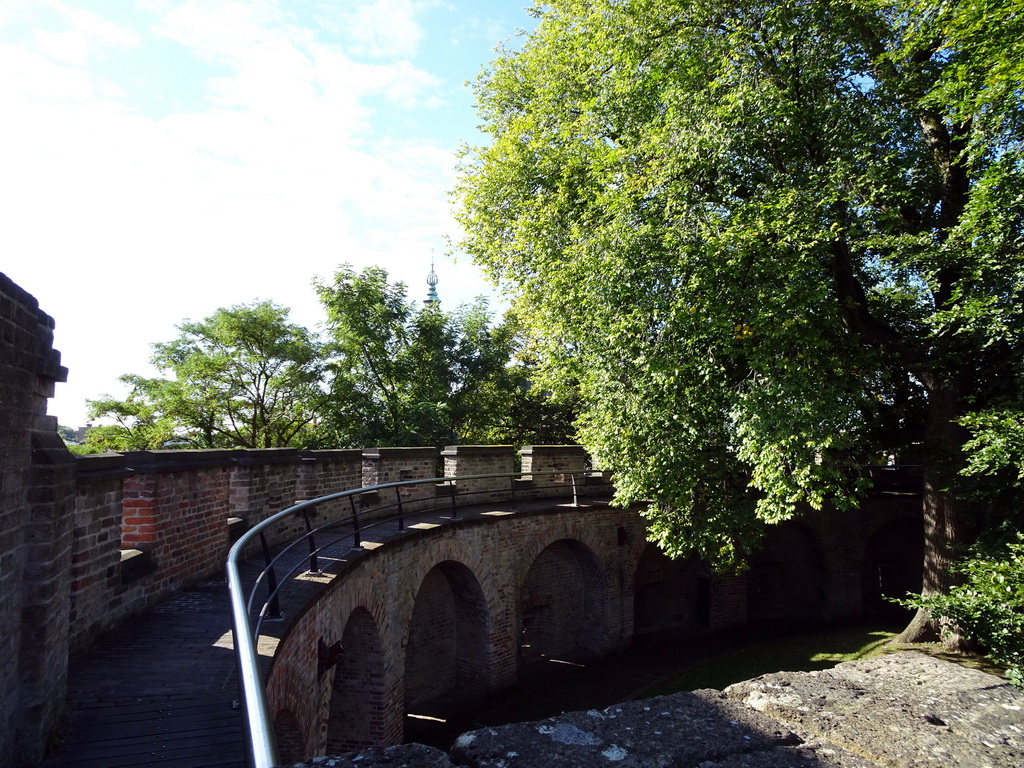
x=401 y=756
x=901 y=710
x=679 y=730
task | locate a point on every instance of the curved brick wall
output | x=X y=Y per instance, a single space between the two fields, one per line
x=409 y=612
x=387 y=583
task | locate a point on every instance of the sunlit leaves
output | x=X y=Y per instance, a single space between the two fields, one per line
x=759 y=238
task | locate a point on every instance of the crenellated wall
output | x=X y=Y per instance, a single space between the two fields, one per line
x=150 y=523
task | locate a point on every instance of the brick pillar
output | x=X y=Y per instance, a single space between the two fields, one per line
x=36 y=516
x=554 y=458
x=96 y=560
x=140 y=513
x=389 y=465
x=461 y=460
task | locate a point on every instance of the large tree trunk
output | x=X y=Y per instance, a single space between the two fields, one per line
x=948 y=526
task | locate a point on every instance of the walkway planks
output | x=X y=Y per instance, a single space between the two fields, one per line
x=158 y=691
x=184 y=734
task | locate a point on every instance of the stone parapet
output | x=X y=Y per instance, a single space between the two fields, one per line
x=463 y=460
x=560 y=459
x=392 y=465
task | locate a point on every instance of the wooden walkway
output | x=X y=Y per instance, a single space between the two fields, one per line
x=159 y=691
x=185 y=734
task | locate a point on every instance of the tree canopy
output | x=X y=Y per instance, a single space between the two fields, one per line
x=769 y=242
x=418 y=375
x=391 y=373
x=243 y=377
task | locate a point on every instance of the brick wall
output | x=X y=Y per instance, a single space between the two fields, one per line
x=176 y=509
x=36 y=498
x=149 y=523
x=391 y=465
x=97 y=602
x=325 y=472
x=357 y=697
x=553 y=458
x=432 y=641
x=551 y=605
x=461 y=460
x=466 y=582
x=665 y=593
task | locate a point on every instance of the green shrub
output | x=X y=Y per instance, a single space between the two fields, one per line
x=989 y=606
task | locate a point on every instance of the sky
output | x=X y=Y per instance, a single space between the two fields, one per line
x=160 y=159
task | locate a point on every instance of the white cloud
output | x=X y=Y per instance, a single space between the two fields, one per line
x=272 y=167
x=65 y=32
x=383 y=28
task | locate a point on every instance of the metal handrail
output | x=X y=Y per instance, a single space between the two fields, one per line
x=255 y=708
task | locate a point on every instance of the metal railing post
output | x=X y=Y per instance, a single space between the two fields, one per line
x=314 y=565
x=273 y=606
x=356 y=542
x=401 y=510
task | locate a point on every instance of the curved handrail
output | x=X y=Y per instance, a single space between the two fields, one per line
x=255 y=708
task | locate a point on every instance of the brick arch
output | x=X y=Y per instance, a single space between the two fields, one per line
x=563 y=603
x=290 y=742
x=665 y=592
x=358 y=691
x=497 y=553
x=786 y=580
x=891 y=566
x=448 y=635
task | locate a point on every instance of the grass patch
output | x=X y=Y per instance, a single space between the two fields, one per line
x=803 y=652
x=806 y=652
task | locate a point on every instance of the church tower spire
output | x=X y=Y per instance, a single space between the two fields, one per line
x=432 y=300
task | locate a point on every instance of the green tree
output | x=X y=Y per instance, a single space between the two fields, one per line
x=244 y=377
x=138 y=422
x=525 y=411
x=769 y=242
x=415 y=375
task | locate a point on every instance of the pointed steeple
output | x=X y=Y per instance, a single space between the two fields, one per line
x=432 y=300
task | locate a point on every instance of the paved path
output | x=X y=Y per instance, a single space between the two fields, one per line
x=161 y=689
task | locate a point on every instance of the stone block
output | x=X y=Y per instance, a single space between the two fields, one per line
x=684 y=729
x=905 y=709
x=401 y=756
